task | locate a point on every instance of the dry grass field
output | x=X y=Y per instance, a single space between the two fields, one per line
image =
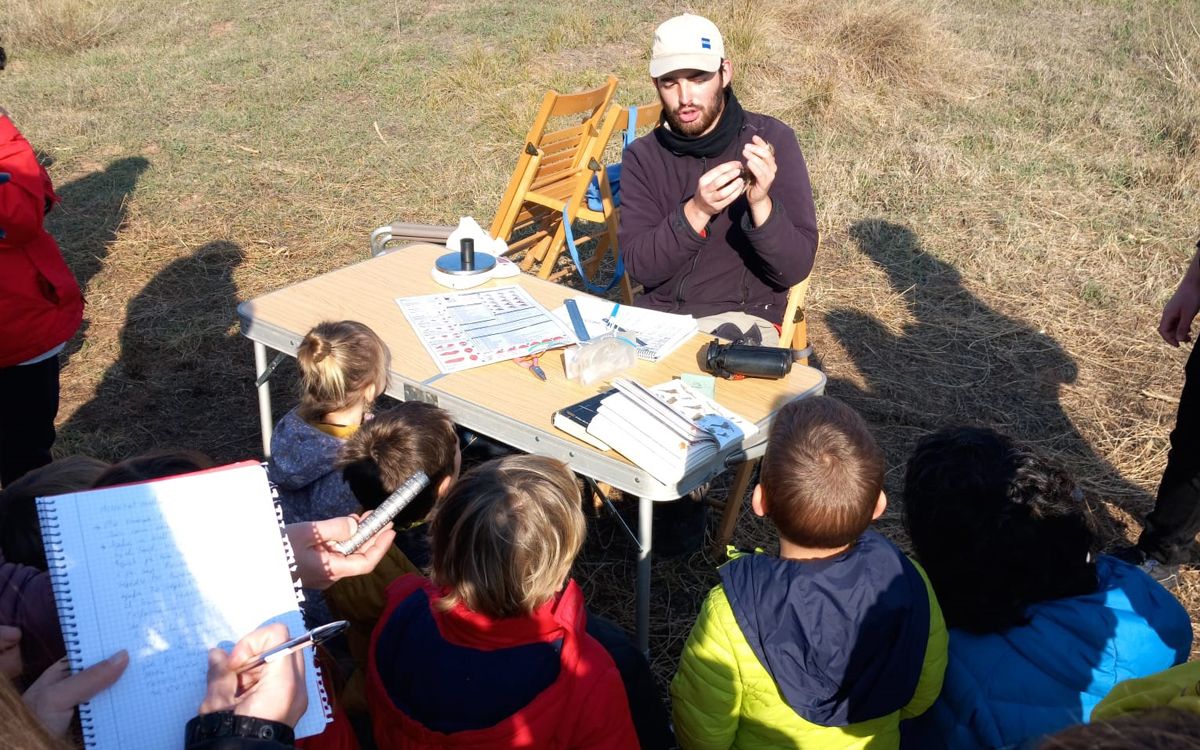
x=1008 y=192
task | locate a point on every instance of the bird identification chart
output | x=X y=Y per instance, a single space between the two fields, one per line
x=461 y=330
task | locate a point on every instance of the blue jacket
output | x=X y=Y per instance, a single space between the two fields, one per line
x=1009 y=689
x=302 y=459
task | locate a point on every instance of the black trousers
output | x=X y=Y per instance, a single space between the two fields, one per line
x=645 y=704
x=28 y=405
x=1173 y=524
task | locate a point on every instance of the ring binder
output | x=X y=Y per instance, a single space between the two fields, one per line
x=133 y=567
x=64 y=602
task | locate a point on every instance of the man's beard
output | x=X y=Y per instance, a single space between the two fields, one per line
x=708 y=115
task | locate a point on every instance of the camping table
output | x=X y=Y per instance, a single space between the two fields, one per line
x=500 y=400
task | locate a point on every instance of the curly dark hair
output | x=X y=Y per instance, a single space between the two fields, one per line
x=1163 y=728
x=409 y=437
x=997 y=526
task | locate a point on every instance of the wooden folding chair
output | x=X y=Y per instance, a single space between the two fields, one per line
x=552 y=172
x=794 y=334
x=646 y=116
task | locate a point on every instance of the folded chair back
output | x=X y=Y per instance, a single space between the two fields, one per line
x=602 y=201
x=553 y=170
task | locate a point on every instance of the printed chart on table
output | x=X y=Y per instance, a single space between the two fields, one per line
x=461 y=330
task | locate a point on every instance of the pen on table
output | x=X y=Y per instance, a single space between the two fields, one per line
x=612 y=321
x=304 y=640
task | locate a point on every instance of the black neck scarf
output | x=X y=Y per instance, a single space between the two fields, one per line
x=715 y=141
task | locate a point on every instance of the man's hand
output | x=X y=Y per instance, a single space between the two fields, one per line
x=715 y=190
x=53 y=696
x=1176 y=324
x=11 y=665
x=320 y=564
x=274 y=691
x=760 y=160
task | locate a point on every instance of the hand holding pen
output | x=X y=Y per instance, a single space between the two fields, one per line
x=274 y=690
x=308 y=639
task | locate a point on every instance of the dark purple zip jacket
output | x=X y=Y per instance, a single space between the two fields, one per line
x=737 y=266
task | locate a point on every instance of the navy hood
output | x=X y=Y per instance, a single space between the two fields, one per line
x=845 y=638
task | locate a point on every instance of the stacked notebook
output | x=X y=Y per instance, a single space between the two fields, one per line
x=574 y=419
x=655 y=334
x=167 y=570
x=668 y=430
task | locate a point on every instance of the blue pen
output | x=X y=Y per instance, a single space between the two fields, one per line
x=612 y=321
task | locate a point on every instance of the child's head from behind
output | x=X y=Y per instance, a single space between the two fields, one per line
x=156 y=464
x=20 y=531
x=997 y=526
x=342 y=364
x=387 y=450
x=504 y=539
x=821 y=481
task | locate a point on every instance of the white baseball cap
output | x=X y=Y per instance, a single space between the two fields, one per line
x=686 y=42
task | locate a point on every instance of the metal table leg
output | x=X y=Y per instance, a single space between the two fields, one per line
x=645 y=540
x=265 y=422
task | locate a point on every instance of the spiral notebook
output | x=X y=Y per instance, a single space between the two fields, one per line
x=166 y=570
x=655 y=334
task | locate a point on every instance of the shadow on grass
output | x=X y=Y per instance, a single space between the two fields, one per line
x=184 y=378
x=957 y=361
x=92 y=211
x=86 y=222
x=960 y=361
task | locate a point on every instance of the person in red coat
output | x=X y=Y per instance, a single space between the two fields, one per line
x=493 y=650
x=41 y=307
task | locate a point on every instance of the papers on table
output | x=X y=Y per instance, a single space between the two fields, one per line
x=655 y=334
x=461 y=330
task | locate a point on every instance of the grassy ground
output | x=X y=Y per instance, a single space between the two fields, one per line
x=1008 y=192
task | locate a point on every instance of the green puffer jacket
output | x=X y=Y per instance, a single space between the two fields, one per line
x=813 y=654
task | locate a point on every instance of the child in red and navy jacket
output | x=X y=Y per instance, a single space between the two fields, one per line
x=492 y=650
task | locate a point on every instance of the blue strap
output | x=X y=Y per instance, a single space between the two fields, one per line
x=570 y=239
x=630 y=135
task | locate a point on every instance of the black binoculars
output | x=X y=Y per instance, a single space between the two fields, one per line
x=734 y=361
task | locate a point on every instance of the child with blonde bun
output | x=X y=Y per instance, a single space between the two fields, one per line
x=343 y=369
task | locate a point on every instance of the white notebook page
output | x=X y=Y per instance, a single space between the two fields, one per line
x=167 y=570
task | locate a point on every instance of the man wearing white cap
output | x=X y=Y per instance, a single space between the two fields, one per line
x=717 y=216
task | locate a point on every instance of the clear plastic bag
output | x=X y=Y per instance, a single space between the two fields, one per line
x=599 y=358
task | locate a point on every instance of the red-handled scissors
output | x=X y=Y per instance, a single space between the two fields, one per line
x=530 y=362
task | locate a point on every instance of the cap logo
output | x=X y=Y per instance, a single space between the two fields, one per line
x=705 y=43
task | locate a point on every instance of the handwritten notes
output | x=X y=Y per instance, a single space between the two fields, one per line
x=167 y=570
x=462 y=330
